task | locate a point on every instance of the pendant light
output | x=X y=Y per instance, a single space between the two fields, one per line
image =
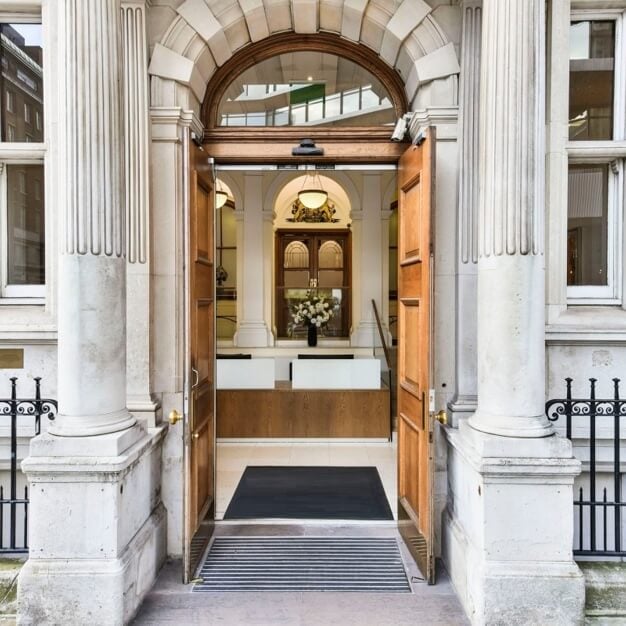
x=220 y=195
x=314 y=196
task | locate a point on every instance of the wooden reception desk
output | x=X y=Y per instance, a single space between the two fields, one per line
x=284 y=412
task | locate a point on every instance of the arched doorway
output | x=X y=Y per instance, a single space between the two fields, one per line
x=256 y=146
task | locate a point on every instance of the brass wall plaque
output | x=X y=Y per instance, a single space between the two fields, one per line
x=11 y=358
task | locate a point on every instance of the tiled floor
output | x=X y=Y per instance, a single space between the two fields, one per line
x=233 y=458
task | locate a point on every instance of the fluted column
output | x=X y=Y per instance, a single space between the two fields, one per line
x=92 y=267
x=464 y=402
x=511 y=348
x=137 y=195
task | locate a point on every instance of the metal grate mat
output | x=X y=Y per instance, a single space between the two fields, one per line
x=372 y=565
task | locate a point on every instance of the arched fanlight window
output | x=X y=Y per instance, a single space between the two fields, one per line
x=295 y=80
x=306 y=88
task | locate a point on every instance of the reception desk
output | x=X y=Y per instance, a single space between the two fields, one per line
x=325 y=400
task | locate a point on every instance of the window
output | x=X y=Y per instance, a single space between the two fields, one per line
x=306 y=88
x=591 y=87
x=595 y=172
x=21 y=63
x=22 y=179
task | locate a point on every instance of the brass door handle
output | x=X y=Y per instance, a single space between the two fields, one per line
x=442 y=417
x=196 y=435
x=174 y=417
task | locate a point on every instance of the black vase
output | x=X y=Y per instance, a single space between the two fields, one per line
x=312 y=335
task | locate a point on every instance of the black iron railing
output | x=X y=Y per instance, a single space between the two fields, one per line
x=19 y=408
x=597 y=509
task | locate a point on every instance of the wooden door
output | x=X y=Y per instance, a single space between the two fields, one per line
x=416 y=177
x=313 y=261
x=200 y=431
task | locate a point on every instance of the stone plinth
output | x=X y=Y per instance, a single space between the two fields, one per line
x=508 y=529
x=97 y=551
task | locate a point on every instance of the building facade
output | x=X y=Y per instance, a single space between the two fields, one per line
x=525 y=104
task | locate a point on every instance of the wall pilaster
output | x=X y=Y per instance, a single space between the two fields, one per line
x=370 y=265
x=465 y=398
x=137 y=202
x=252 y=329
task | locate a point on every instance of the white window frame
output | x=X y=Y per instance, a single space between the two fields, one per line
x=20 y=153
x=12 y=294
x=613 y=153
x=612 y=291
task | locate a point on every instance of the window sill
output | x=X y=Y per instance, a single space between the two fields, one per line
x=38 y=302
x=588 y=323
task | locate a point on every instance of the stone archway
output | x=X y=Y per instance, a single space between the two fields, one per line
x=200 y=36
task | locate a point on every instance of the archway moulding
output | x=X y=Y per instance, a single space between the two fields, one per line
x=205 y=34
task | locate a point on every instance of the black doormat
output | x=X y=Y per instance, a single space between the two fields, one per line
x=310 y=493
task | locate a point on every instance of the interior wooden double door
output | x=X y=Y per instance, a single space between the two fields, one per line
x=316 y=262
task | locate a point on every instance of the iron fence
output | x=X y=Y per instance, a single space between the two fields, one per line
x=598 y=507
x=19 y=408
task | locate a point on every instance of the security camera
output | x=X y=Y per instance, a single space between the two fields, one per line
x=402 y=125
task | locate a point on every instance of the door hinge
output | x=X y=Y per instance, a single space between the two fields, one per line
x=430 y=436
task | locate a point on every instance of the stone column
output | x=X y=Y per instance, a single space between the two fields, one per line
x=252 y=331
x=370 y=262
x=508 y=524
x=92 y=266
x=511 y=264
x=137 y=202
x=464 y=401
x=95 y=511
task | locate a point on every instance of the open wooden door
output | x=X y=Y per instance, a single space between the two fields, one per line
x=200 y=426
x=416 y=178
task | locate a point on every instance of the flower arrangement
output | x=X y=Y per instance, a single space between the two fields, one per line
x=314 y=311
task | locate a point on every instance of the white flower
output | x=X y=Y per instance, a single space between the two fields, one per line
x=318 y=324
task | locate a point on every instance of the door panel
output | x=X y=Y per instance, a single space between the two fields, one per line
x=415 y=448
x=200 y=430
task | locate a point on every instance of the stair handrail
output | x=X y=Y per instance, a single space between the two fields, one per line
x=381 y=335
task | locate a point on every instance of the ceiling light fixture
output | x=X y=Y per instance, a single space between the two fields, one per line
x=314 y=196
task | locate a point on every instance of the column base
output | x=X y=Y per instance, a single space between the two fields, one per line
x=365 y=335
x=253 y=335
x=90 y=425
x=507 y=426
x=144 y=409
x=461 y=407
x=97 y=528
x=508 y=529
